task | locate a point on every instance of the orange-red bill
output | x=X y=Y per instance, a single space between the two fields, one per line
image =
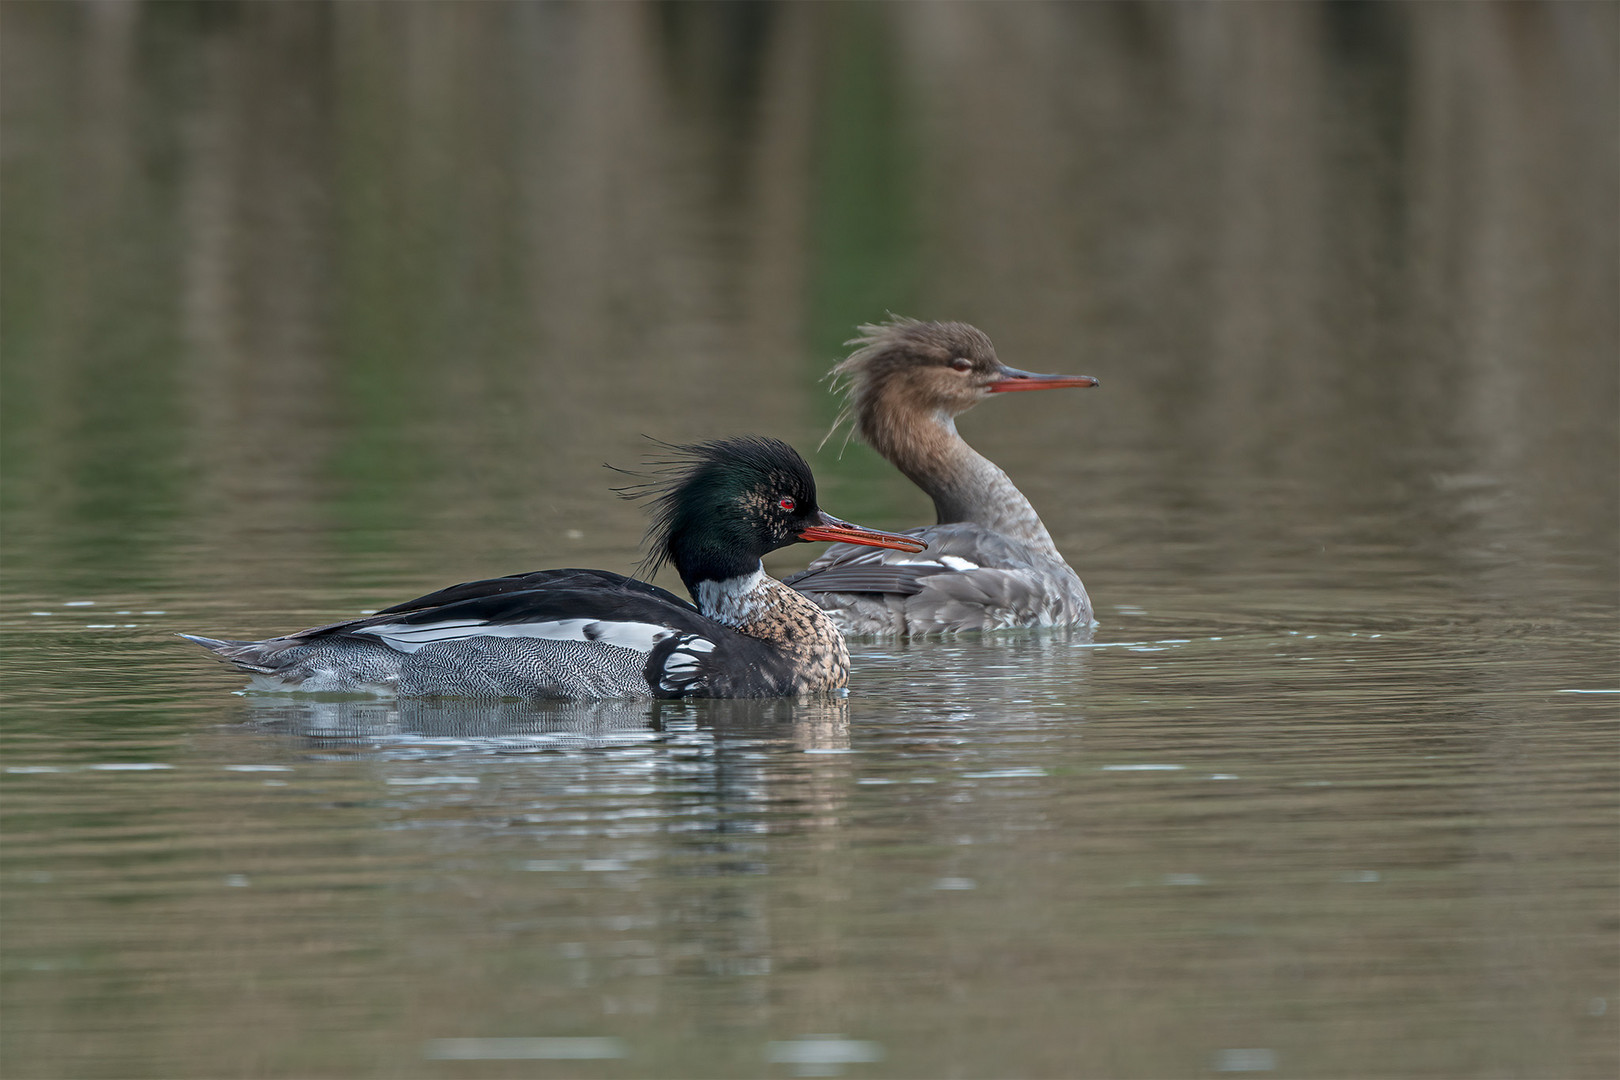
x=1012 y=379
x=830 y=528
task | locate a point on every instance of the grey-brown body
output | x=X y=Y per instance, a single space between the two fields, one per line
x=990 y=563
x=971 y=578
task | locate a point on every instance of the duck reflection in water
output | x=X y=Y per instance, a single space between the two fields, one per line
x=436 y=725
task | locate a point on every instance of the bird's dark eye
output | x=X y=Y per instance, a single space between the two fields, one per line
x=787 y=503
x=961 y=363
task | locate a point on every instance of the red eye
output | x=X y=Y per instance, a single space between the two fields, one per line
x=786 y=503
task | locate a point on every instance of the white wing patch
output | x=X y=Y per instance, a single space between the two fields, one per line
x=636 y=636
x=680 y=668
x=949 y=562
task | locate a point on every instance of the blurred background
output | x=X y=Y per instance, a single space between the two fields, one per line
x=309 y=308
x=366 y=275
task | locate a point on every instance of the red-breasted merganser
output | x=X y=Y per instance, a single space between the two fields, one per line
x=991 y=564
x=589 y=634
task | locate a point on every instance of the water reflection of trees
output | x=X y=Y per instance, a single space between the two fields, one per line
x=340 y=264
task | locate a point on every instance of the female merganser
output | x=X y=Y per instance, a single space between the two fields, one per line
x=991 y=564
x=589 y=634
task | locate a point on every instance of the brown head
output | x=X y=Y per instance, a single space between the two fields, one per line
x=905 y=366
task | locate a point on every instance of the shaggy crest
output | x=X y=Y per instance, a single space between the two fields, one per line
x=887 y=347
x=692 y=482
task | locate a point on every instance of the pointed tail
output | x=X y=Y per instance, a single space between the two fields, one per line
x=247 y=655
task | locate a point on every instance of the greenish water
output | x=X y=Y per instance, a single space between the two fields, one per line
x=311 y=309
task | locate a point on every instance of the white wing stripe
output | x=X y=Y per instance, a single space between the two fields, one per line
x=949 y=562
x=636 y=636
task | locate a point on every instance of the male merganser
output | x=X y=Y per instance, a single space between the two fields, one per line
x=991 y=564
x=589 y=634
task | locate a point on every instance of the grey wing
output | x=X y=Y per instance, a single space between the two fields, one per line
x=874 y=577
x=969 y=579
x=856 y=568
x=952 y=549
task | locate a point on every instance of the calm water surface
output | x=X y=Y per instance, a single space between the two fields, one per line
x=309 y=310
